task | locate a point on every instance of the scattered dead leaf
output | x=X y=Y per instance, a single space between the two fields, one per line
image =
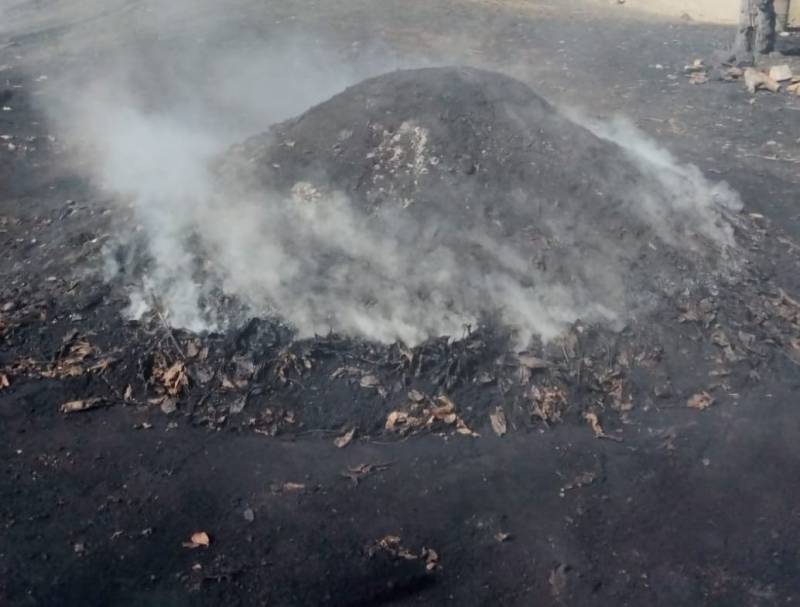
x=4 y=381
x=502 y=536
x=548 y=403
x=700 y=401
x=396 y=420
x=463 y=429
x=498 y=420
x=197 y=540
x=597 y=428
x=75 y=406
x=174 y=378
x=621 y=398
x=345 y=439
x=698 y=78
x=696 y=66
x=370 y=381
x=431 y=558
x=293 y=487
x=594 y=423
x=392 y=545
x=533 y=362
x=415 y=396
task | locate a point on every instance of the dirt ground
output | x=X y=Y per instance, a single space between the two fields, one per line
x=691 y=508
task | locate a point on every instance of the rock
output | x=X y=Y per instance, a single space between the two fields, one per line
x=780 y=73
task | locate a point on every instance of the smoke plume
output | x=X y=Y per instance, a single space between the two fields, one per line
x=313 y=257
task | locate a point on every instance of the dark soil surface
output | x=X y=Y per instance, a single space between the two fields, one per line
x=678 y=507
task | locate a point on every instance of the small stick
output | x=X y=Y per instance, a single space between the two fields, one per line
x=167 y=328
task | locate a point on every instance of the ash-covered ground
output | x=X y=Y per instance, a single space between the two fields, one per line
x=433 y=340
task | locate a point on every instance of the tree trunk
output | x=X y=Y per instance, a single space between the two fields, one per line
x=756 y=35
x=782 y=15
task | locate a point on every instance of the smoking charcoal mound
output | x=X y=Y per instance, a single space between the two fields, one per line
x=477 y=163
x=422 y=193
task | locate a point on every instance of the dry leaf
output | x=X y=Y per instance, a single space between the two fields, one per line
x=501 y=536
x=548 y=403
x=370 y=381
x=4 y=382
x=431 y=558
x=101 y=365
x=415 y=396
x=128 y=393
x=533 y=363
x=698 y=78
x=594 y=423
x=461 y=428
x=174 y=379
x=75 y=406
x=392 y=545
x=395 y=420
x=345 y=439
x=700 y=401
x=498 y=419
x=293 y=487
x=197 y=540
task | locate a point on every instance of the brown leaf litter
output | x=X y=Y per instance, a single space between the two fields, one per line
x=76 y=406
x=425 y=412
x=700 y=401
x=498 y=421
x=345 y=439
x=594 y=423
x=198 y=540
x=548 y=403
x=392 y=545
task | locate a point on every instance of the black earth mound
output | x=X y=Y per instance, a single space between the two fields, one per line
x=475 y=162
x=660 y=294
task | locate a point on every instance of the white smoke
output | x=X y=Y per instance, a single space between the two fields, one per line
x=314 y=258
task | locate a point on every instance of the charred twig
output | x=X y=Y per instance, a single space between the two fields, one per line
x=167 y=328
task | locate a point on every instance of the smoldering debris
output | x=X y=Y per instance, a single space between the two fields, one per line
x=436 y=246
x=422 y=202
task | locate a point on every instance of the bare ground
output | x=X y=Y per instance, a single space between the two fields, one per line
x=693 y=508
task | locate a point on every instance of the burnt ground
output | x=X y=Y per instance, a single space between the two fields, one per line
x=691 y=508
